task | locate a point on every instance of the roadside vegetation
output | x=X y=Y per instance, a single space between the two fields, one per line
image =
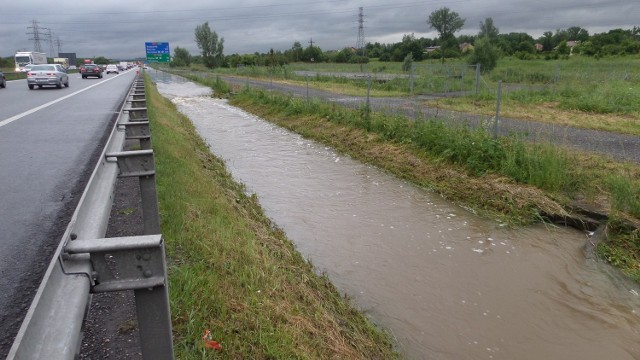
x=234 y=273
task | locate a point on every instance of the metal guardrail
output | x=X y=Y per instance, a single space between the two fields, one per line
x=53 y=324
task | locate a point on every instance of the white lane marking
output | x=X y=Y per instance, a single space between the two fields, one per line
x=29 y=112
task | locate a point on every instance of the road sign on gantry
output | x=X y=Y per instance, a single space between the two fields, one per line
x=157 y=52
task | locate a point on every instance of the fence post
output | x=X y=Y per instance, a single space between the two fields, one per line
x=368 y=105
x=307 y=78
x=477 y=79
x=411 y=80
x=498 y=100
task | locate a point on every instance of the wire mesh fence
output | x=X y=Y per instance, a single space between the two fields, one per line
x=418 y=93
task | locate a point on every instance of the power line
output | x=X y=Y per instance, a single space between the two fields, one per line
x=58 y=45
x=35 y=35
x=50 y=41
x=360 y=42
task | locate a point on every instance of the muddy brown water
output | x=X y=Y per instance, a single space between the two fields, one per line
x=444 y=282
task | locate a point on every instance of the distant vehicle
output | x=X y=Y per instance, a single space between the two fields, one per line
x=27 y=68
x=87 y=70
x=50 y=74
x=24 y=58
x=62 y=61
x=112 y=69
x=3 y=80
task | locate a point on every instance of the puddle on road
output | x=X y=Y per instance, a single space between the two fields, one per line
x=446 y=283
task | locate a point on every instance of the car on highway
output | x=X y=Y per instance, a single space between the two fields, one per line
x=3 y=80
x=87 y=70
x=47 y=75
x=112 y=69
x=26 y=68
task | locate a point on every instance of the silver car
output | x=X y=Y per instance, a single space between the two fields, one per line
x=50 y=74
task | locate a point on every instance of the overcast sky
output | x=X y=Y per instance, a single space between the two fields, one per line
x=119 y=28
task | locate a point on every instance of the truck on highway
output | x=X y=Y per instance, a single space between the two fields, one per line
x=62 y=61
x=24 y=58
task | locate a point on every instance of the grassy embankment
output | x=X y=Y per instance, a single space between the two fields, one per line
x=233 y=272
x=507 y=179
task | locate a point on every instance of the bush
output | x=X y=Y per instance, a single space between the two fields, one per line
x=485 y=54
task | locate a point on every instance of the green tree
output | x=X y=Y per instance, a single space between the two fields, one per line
x=547 y=41
x=209 y=45
x=295 y=53
x=512 y=42
x=312 y=54
x=344 y=55
x=485 y=54
x=181 y=57
x=446 y=23
x=577 y=33
x=562 y=48
x=488 y=29
x=101 y=60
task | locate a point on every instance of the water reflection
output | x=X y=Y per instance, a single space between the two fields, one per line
x=446 y=283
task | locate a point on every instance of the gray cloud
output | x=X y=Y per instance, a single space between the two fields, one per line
x=118 y=29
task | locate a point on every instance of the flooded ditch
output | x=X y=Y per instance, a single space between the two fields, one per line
x=444 y=282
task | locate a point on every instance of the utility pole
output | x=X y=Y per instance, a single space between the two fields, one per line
x=50 y=40
x=58 y=44
x=311 y=48
x=360 y=47
x=35 y=36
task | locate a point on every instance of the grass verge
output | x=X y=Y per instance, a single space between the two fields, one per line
x=233 y=272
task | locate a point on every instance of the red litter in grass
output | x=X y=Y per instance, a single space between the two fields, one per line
x=210 y=344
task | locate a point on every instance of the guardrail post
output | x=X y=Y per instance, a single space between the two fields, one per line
x=152 y=304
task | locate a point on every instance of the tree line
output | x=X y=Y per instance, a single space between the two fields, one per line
x=484 y=48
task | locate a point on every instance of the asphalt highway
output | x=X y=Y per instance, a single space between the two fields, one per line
x=50 y=140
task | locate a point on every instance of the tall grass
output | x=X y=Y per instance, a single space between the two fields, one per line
x=543 y=166
x=606 y=86
x=626 y=194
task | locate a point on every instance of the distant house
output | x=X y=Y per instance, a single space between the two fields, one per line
x=571 y=44
x=464 y=47
x=431 y=49
x=539 y=47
